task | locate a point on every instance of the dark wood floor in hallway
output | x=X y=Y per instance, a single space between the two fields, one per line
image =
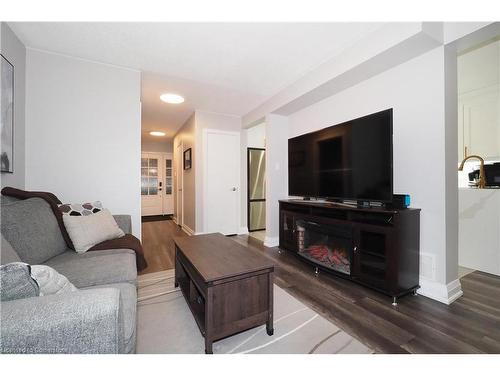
x=417 y=325
x=157 y=241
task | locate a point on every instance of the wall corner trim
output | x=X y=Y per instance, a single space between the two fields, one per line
x=444 y=293
x=271 y=241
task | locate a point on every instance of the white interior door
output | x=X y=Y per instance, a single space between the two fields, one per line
x=222 y=181
x=151 y=184
x=178 y=174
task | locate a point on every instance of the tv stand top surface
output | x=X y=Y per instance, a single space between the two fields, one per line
x=345 y=206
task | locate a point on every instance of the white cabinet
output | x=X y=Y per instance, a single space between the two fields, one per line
x=479 y=101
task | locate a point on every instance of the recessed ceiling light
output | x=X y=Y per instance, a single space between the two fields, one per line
x=157 y=134
x=172 y=98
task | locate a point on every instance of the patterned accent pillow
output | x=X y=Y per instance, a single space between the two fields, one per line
x=80 y=209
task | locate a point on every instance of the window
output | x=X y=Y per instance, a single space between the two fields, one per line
x=149 y=176
x=168 y=176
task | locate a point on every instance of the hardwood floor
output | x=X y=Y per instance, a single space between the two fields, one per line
x=158 y=244
x=417 y=325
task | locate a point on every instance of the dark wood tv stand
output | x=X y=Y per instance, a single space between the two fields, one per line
x=375 y=247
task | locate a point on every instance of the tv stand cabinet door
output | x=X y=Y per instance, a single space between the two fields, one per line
x=373 y=256
x=288 y=238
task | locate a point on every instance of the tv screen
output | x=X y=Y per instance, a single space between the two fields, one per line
x=349 y=161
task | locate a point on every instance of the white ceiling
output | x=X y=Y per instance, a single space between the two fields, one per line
x=220 y=67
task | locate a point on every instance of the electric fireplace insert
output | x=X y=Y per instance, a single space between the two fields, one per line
x=327 y=246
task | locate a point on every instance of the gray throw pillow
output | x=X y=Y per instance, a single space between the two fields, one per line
x=50 y=281
x=16 y=282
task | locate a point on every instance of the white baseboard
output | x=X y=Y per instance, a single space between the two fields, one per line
x=174 y=219
x=243 y=230
x=271 y=241
x=188 y=230
x=444 y=293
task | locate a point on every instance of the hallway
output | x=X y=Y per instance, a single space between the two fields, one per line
x=158 y=245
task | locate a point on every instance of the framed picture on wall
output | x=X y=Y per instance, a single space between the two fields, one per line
x=7 y=115
x=187 y=159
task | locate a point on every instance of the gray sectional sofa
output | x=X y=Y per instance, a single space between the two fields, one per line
x=98 y=318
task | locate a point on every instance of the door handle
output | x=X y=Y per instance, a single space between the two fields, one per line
x=233 y=189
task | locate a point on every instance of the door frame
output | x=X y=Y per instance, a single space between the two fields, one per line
x=179 y=181
x=248 y=188
x=204 y=158
x=167 y=156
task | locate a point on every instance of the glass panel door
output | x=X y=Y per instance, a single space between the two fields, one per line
x=168 y=176
x=256 y=165
x=149 y=176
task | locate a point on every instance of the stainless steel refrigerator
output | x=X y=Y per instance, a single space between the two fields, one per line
x=256 y=189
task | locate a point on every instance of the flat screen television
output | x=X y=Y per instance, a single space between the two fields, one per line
x=348 y=161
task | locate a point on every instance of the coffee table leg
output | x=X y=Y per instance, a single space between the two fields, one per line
x=208 y=347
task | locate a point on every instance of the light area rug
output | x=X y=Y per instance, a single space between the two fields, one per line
x=165 y=325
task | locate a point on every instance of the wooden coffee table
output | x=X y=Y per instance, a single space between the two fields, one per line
x=228 y=286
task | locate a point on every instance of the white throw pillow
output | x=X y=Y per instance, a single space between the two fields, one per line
x=50 y=281
x=87 y=231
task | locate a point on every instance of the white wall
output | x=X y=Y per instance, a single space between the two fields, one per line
x=415 y=90
x=478 y=73
x=14 y=51
x=187 y=136
x=157 y=146
x=83 y=132
x=256 y=136
x=277 y=129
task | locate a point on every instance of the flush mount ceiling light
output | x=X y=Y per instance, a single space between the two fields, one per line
x=172 y=98
x=157 y=134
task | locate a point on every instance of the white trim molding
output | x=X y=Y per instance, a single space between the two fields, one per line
x=444 y=293
x=188 y=230
x=243 y=230
x=271 y=241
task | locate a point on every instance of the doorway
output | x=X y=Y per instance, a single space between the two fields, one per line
x=156 y=184
x=478 y=89
x=256 y=183
x=222 y=184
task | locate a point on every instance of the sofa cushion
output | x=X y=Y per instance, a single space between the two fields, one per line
x=4 y=199
x=7 y=253
x=96 y=267
x=32 y=229
x=16 y=282
x=128 y=314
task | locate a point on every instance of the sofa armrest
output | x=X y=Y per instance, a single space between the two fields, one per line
x=124 y=222
x=85 y=321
